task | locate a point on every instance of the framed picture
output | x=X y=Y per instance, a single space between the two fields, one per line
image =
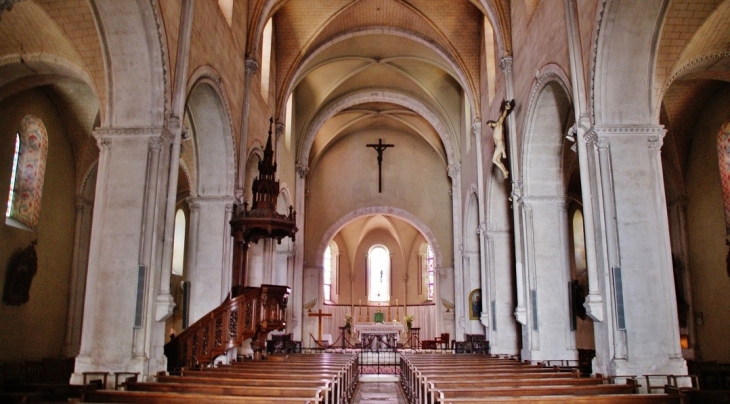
x=475 y=304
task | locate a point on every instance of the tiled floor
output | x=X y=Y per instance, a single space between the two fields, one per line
x=378 y=392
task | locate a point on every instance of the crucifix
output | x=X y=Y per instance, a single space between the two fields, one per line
x=380 y=147
x=319 y=315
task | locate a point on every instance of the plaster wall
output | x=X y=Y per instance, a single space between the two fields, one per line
x=414 y=179
x=36 y=329
x=706 y=228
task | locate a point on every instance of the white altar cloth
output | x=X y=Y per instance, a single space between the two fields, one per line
x=392 y=330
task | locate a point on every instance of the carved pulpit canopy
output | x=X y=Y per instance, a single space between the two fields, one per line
x=262 y=220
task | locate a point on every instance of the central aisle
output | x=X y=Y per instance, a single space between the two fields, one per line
x=377 y=392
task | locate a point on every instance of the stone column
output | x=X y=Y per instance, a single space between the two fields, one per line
x=84 y=211
x=124 y=257
x=252 y=66
x=297 y=287
x=443 y=290
x=636 y=278
x=312 y=292
x=505 y=64
x=547 y=334
x=502 y=331
x=208 y=259
x=460 y=311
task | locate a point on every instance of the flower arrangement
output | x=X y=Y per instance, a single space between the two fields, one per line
x=348 y=321
x=408 y=318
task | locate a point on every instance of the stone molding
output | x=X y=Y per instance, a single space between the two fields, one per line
x=133 y=132
x=227 y=199
x=687 y=67
x=165 y=61
x=476 y=129
x=600 y=11
x=536 y=199
x=361 y=97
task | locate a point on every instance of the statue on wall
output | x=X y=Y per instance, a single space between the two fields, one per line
x=21 y=269
x=500 y=151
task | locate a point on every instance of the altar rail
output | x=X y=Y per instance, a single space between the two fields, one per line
x=252 y=314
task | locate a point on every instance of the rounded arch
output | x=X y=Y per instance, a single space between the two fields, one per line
x=210 y=116
x=548 y=113
x=137 y=69
x=626 y=31
x=360 y=97
x=382 y=210
x=457 y=72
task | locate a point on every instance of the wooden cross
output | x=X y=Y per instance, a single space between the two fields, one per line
x=319 y=314
x=380 y=147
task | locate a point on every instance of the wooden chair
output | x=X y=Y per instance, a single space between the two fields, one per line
x=443 y=341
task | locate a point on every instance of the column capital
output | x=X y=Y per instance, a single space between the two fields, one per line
x=476 y=128
x=505 y=64
x=453 y=170
x=252 y=66
x=302 y=170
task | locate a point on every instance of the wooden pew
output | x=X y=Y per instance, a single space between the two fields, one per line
x=444 y=395
x=140 y=397
x=605 y=399
x=227 y=390
x=341 y=388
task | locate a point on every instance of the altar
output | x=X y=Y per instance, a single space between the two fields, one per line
x=378 y=335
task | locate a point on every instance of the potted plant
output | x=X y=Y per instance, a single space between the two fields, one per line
x=348 y=323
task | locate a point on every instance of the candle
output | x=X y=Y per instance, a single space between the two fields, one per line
x=359 y=302
x=396 y=302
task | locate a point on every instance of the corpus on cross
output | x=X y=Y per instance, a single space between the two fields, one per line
x=380 y=147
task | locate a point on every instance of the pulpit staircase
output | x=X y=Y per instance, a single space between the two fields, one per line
x=252 y=314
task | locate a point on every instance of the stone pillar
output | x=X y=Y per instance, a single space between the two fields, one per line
x=77 y=287
x=520 y=313
x=547 y=334
x=297 y=287
x=252 y=66
x=312 y=295
x=208 y=260
x=677 y=212
x=120 y=332
x=461 y=313
x=444 y=290
x=502 y=332
x=636 y=277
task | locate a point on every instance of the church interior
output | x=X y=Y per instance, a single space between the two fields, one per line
x=171 y=162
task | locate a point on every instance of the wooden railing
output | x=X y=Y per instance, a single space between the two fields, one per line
x=252 y=314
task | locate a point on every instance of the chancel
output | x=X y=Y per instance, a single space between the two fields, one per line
x=187 y=191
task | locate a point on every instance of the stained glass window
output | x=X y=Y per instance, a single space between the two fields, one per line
x=327 y=274
x=429 y=271
x=29 y=168
x=379 y=274
x=12 y=175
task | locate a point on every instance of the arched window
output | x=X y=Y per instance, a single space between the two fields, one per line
x=379 y=274
x=328 y=274
x=491 y=59
x=266 y=60
x=429 y=271
x=12 y=175
x=29 y=168
x=178 y=244
x=579 y=242
x=226 y=7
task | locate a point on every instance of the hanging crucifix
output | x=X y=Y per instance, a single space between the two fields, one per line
x=380 y=147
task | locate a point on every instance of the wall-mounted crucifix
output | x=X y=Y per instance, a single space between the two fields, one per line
x=380 y=147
